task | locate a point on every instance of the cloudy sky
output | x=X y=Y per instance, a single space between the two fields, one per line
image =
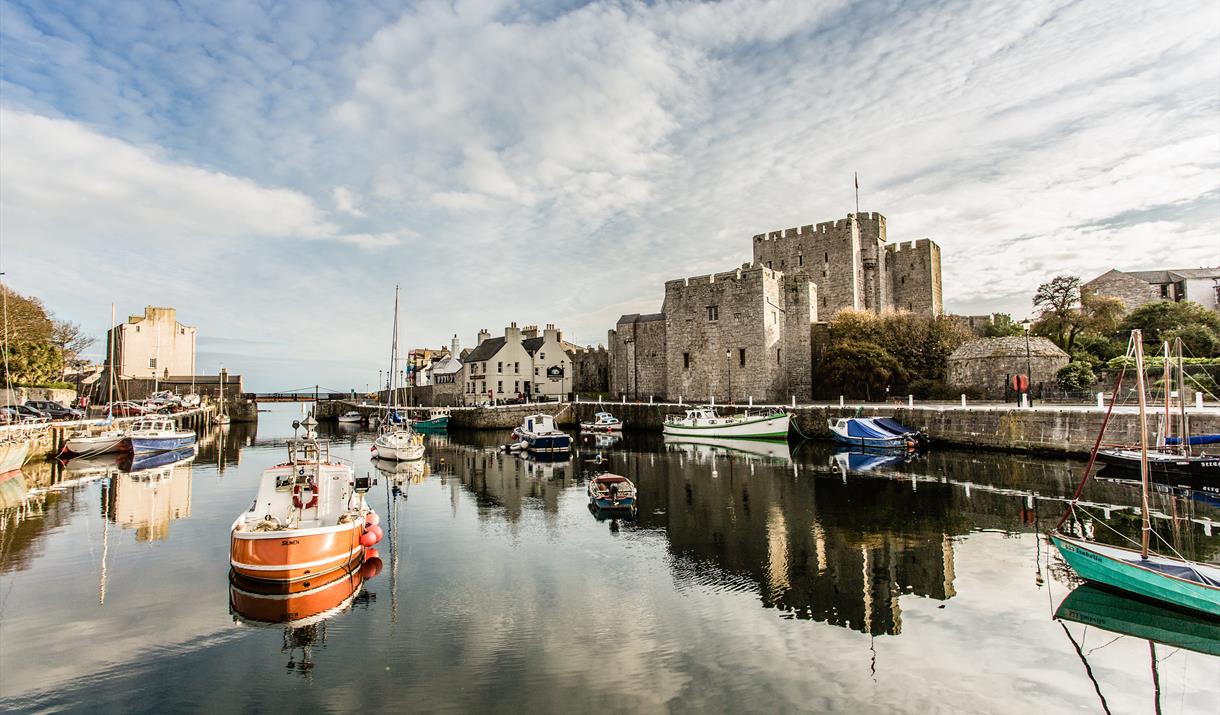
x=273 y=171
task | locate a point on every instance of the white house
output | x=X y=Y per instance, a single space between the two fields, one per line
x=521 y=365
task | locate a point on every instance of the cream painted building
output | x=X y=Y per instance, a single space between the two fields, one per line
x=154 y=345
x=522 y=364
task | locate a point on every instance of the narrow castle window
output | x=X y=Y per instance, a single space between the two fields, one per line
x=713 y=312
x=828 y=256
x=777 y=360
x=781 y=263
x=741 y=357
x=768 y=264
x=800 y=260
x=685 y=361
x=774 y=318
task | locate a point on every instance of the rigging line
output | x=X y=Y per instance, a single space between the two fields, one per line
x=1088 y=470
x=1107 y=643
x=1087 y=669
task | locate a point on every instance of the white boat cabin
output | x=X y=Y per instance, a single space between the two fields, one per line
x=153 y=425
x=308 y=491
x=538 y=424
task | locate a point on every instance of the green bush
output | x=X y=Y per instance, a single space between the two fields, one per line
x=1075 y=376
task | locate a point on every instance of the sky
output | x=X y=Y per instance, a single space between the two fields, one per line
x=272 y=170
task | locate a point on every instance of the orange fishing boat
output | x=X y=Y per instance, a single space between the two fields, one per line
x=309 y=518
x=296 y=603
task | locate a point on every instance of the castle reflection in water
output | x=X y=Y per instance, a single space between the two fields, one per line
x=793 y=528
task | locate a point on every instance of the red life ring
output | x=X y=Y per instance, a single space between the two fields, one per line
x=300 y=503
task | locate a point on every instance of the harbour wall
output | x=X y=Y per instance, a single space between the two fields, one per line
x=1049 y=430
x=1042 y=430
x=47 y=440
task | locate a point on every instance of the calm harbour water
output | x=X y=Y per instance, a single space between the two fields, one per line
x=752 y=579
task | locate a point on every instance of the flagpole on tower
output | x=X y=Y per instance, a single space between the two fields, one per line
x=857 y=178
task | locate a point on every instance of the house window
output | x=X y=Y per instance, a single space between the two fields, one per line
x=800 y=260
x=516 y=368
x=741 y=357
x=152 y=363
x=713 y=312
x=777 y=360
x=516 y=386
x=535 y=372
x=500 y=386
x=542 y=356
x=500 y=367
x=685 y=361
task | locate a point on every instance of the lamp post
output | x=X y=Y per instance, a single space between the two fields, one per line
x=728 y=358
x=1029 y=365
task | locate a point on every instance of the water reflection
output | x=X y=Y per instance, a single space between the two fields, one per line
x=702 y=449
x=302 y=608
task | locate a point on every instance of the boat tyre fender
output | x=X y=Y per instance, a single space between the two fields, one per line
x=299 y=502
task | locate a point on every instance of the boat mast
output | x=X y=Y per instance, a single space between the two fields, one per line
x=1167 y=387
x=110 y=359
x=1137 y=337
x=1185 y=431
x=392 y=383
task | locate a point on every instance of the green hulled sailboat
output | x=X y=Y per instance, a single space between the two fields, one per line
x=1167 y=579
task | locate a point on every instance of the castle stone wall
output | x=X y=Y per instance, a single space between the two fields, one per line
x=915 y=277
x=636 y=357
x=590 y=369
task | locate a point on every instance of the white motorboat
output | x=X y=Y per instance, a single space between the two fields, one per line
x=704 y=422
x=602 y=422
x=703 y=448
x=351 y=416
x=112 y=440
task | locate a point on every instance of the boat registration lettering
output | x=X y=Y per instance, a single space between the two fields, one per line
x=1211 y=463
x=289 y=542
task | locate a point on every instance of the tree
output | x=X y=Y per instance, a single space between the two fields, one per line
x=1002 y=326
x=1057 y=301
x=1161 y=320
x=920 y=344
x=1075 y=376
x=70 y=340
x=854 y=364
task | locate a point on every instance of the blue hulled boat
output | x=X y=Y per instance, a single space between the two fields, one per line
x=875 y=432
x=539 y=434
x=610 y=492
x=158 y=434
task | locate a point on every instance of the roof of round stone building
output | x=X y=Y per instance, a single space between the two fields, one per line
x=1006 y=347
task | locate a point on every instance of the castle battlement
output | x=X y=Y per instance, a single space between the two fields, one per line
x=747 y=274
x=919 y=243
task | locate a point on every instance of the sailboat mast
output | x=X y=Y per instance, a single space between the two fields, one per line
x=1167 y=388
x=1185 y=431
x=1137 y=337
x=110 y=359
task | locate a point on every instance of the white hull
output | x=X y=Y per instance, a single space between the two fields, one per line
x=404 y=451
x=345 y=418
x=595 y=427
x=769 y=428
x=703 y=446
x=12 y=455
x=100 y=444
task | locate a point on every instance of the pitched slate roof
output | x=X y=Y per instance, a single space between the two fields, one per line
x=485 y=350
x=1174 y=275
x=1013 y=346
x=638 y=318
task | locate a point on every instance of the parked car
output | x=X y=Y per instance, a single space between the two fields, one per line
x=54 y=410
x=31 y=414
x=9 y=416
x=128 y=409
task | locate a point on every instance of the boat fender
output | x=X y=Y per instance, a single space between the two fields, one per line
x=371 y=554
x=298 y=501
x=368 y=539
x=370 y=568
x=374 y=530
x=372 y=518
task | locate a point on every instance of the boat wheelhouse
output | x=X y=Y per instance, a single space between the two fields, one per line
x=611 y=491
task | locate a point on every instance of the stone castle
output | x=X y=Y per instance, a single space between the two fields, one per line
x=747 y=333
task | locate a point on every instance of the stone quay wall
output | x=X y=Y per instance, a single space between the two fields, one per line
x=1064 y=431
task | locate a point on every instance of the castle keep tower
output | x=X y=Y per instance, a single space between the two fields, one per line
x=854 y=266
x=747 y=333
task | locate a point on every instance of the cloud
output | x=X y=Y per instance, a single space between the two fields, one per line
x=556 y=163
x=64 y=181
x=346 y=200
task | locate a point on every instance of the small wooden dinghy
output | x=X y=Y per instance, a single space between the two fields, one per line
x=611 y=491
